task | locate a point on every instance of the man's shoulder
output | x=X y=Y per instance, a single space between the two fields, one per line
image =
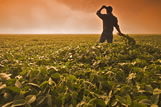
x=114 y=16
x=104 y=14
x=111 y=15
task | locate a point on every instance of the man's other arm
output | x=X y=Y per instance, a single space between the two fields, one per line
x=99 y=14
x=118 y=28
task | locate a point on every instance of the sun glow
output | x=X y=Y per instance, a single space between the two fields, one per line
x=70 y=16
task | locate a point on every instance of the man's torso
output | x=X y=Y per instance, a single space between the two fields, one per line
x=109 y=22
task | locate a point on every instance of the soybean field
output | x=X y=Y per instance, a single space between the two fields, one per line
x=74 y=70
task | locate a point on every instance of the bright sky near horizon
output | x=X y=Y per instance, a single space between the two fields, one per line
x=77 y=16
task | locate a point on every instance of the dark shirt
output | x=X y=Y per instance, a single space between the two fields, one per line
x=109 y=21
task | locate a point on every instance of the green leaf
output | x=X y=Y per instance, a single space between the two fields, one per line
x=110 y=83
x=100 y=102
x=149 y=88
x=136 y=104
x=23 y=72
x=114 y=102
x=40 y=100
x=56 y=75
x=121 y=100
x=2 y=86
x=67 y=64
x=128 y=100
x=51 y=82
x=156 y=91
x=80 y=104
x=74 y=102
x=7 y=95
x=72 y=77
x=92 y=100
x=67 y=96
x=14 y=89
x=34 y=85
x=44 y=71
x=49 y=101
x=145 y=101
x=52 y=69
x=154 y=99
x=131 y=76
x=110 y=94
x=30 y=99
x=44 y=83
x=154 y=105
x=98 y=58
x=19 y=102
x=27 y=105
x=108 y=98
x=7 y=104
x=34 y=73
x=135 y=69
x=18 y=84
x=4 y=77
x=11 y=82
x=141 y=97
x=74 y=94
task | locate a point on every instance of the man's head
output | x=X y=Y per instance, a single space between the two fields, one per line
x=109 y=9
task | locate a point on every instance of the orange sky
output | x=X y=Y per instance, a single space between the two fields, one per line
x=77 y=16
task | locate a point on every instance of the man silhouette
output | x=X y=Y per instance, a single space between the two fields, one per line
x=109 y=21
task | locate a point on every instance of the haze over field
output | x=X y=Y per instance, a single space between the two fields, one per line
x=77 y=16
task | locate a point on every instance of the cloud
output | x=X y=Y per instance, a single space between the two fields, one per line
x=135 y=16
x=91 y=5
x=83 y=5
x=43 y=16
x=77 y=16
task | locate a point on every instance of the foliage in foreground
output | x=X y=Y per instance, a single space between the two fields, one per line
x=88 y=75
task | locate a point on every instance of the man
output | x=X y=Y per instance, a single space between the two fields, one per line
x=109 y=21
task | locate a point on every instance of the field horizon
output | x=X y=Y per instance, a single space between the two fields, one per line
x=138 y=37
x=76 y=34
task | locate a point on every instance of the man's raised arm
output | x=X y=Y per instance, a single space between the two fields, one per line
x=99 y=14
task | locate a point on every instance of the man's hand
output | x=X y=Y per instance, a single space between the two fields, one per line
x=104 y=6
x=121 y=34
x=99 y=11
